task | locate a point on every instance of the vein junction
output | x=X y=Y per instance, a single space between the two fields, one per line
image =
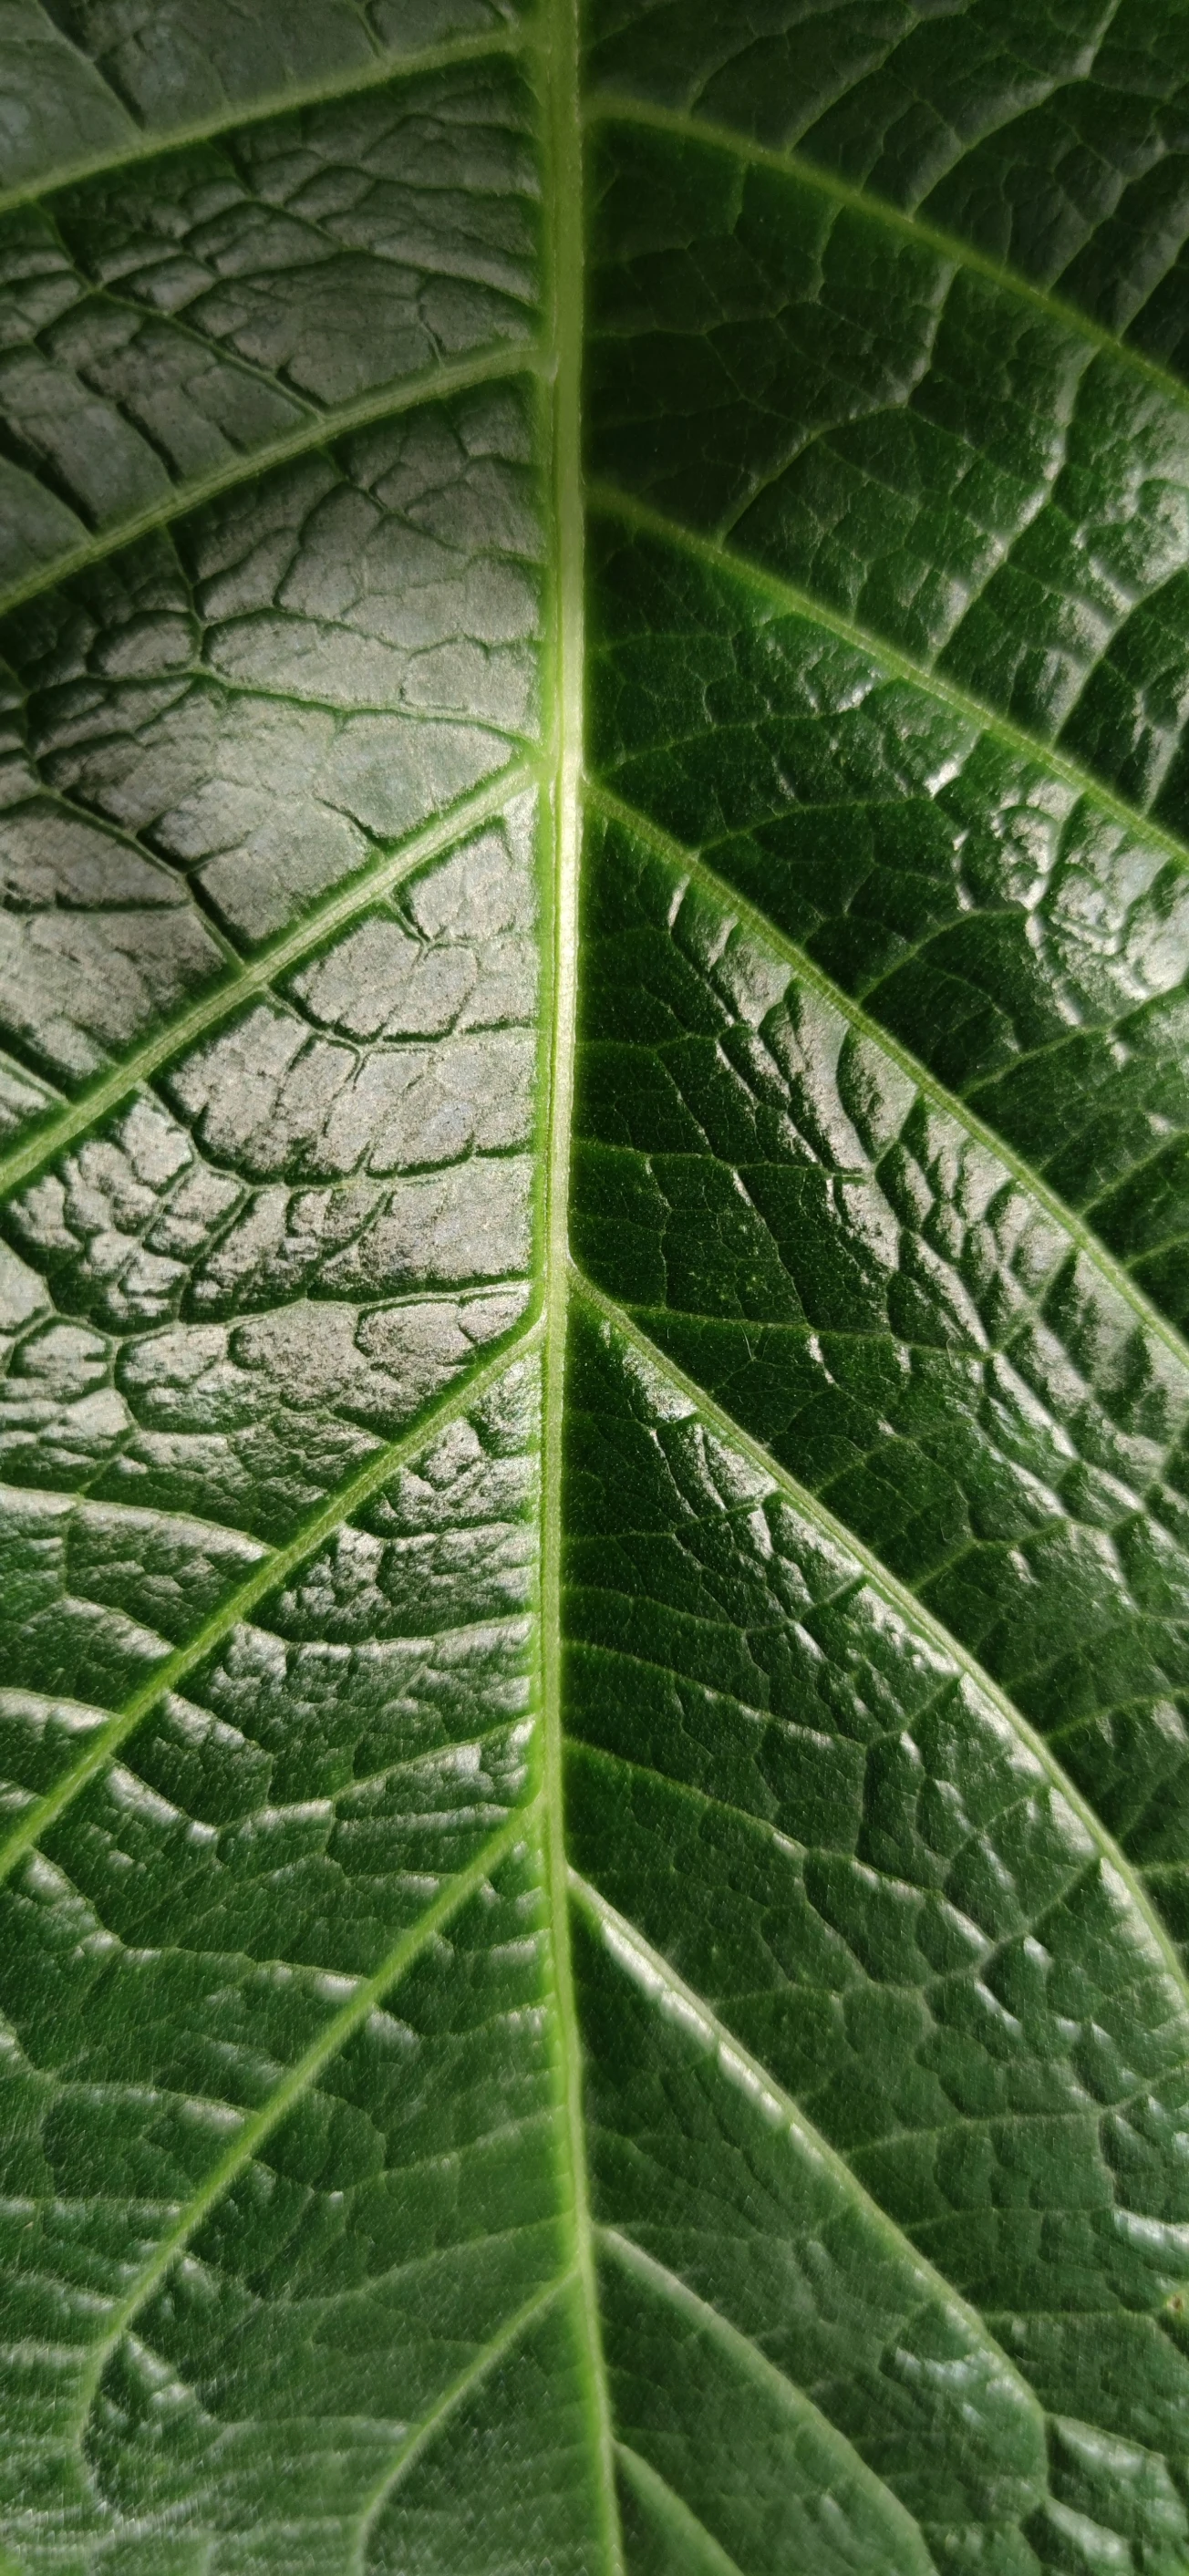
x=306 y=1357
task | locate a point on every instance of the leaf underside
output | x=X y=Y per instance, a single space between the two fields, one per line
x=594 y=1139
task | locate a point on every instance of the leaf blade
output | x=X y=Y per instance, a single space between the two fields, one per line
x=819 y=2187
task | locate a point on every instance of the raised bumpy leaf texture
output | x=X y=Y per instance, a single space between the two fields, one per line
x=594 y=1288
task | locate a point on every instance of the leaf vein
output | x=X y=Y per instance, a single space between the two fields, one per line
x=334 y=913
x=616 y=504
x=612 y=107
x=160 y=146
x=951 y=1104
x=908 y=1606
x=305 y=2072
x=264 y=1578
x=319 y=429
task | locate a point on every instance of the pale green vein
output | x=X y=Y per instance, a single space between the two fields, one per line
x=272 y=1569
x=317 y=429
x=120 y=838
x=849 y=2469
x=747 y=2357
x=251 y=2136
x=655 y=1976
x=613 y=107
x=664 y=1988
x=160 y=144
x=698 y=2550
x=447 y=2405
x=888 y=662
x=566 y=318
x=183 y=334
x=334 y=913
x=1073 y=1227
x=914 y=1613
x=691 y=1793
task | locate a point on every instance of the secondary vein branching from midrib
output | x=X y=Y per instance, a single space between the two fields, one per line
x=684 y=2526
x=337 y=910
x=565 y=116
x=258 y=2125
x=614 y=107
x=410 y=2450
x=566 y=313
x=273 y=1566
x=906 y=1604
x=315 y=430
x=331 y=88
x=637 y=1956
x=896 y=664
x=756 y=922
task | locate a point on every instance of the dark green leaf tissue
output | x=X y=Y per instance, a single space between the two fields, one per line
x=594 y=1288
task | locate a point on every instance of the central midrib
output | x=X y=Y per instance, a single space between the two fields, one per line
x=51 y=1132
x=561 y=359
x=565 y=252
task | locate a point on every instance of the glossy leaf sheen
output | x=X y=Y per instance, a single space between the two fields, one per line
x=594 y=1209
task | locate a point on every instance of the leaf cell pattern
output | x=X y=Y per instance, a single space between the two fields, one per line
x=594 y=1198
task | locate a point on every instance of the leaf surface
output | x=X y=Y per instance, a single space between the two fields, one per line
x=594 y=1121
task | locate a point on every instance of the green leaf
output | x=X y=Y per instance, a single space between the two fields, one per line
x=594 y=1212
